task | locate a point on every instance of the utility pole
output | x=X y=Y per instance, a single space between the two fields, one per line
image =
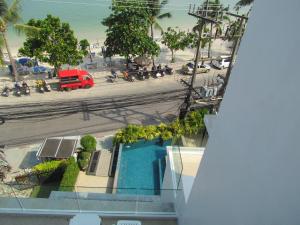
x=237 y=41
x=202 y=15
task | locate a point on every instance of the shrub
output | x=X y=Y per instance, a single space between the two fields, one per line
x=83 y=160
x=89 y=143
x=151 y=132
x=165 y=131
x=192 y=124
x=50 y=171
x=48 y=166
x=70 y=176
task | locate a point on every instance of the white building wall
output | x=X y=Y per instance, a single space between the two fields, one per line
x=250 y=171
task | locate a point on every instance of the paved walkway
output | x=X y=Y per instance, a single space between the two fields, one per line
x=94 y=184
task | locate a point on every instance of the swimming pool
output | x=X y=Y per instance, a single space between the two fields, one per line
x=139 y=169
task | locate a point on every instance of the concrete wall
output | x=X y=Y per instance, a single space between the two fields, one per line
x=250 y=171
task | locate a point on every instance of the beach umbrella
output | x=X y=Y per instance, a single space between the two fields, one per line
x=142 y=61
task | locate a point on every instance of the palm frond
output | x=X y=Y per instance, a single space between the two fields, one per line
x=13 y=12
x=163 y=3
x=157 y=26
x=164 y=15
x=3 y=7
x=244 y=2
x=26 y=29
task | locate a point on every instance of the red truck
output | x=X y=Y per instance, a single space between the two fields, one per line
x=73 y=79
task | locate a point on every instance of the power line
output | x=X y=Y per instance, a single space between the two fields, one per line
x=67 y=108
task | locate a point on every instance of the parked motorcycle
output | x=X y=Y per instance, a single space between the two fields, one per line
x=146 y=73
x=17 y=89
x=128 y=76
x=140 y=75
x=160 y=71
x=154 y=71
x=46 y=86
x=5 y=91
x=25 y=88
x=168 y=70
x=40 y=86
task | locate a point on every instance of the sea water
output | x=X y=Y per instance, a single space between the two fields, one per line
x=85 y=16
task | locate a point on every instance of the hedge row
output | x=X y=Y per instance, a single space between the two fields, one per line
x=70 y=175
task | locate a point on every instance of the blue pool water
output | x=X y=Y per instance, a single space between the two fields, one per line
x=139 y=170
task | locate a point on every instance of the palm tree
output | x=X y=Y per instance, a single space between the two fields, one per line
x=8 y=16
x=156 y=6
x=215 y=6
x=155 y=14
x=244 y=3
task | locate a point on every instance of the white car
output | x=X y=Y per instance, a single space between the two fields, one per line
x=221 y=62
x=189 y=67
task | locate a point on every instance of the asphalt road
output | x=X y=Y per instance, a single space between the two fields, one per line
x=27 y=130
x=143 y=103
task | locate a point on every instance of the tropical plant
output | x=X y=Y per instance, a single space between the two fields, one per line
x=155 y=8
x=193 y=124
x=89 y=143
x=176 y=40
x=177 y=128
x=85 y=48
x=53 y=43
x=165 y=131
x=83 y=160
x=213 y=7
x=9 y=15
x=194 y=37
x=155 y=14
x=242 y=3
x=151 y=132
x=127 y=30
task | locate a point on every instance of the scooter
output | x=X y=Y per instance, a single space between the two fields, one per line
x=141 y=76
x=154 y=72
x=146 y=73
x=128 y=77
x=112 y=78
x=46 y=86
x=25 y=88
x=168 y=70
x=17 y=89
x=160 y=71
x=40 y=86
x=5 y=91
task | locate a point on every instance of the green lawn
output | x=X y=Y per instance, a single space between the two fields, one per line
x=44 y=190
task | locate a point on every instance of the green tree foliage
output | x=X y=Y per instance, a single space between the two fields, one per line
x=53 y=43
x=89 y=143
x=176 y=40
x=70 y=176
x=127 y=30
x=84 y=47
